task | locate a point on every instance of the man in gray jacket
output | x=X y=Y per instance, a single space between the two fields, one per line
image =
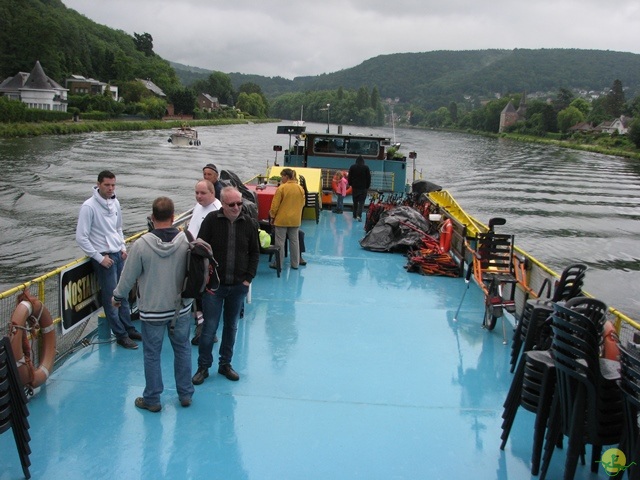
x=158 y=261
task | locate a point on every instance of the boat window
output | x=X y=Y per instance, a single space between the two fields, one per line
x=347 y=146
x=363 y=147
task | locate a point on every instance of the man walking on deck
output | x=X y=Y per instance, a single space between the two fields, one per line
x=360 y=180
x=99 y=235
x=158 y=262
x=234 y=240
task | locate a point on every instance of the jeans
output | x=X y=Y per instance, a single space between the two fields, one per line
x=359 y=197
x=119 y=318
x=152 y=339
x=340 y=205
x=227 y=301
x=294 y=246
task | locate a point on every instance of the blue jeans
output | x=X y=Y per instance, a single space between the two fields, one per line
x=226 y=301
x=340 y=205
x=119 y=318
x=152 y=338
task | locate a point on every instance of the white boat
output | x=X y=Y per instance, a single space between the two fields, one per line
x=184 y=137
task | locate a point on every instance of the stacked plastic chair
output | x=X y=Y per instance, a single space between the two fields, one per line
x=13 y=405
x=569 y=286
x=587 y=405
x=534 y=382
x=630 y=386
x=533 y=390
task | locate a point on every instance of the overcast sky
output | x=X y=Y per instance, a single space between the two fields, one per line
x=290 y=38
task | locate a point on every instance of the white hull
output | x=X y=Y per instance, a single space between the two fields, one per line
x=184 y=138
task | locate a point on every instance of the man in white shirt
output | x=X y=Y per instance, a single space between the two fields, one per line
x=99 y=235
x=206 y=203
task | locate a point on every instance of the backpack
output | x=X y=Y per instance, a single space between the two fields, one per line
x=200 y=266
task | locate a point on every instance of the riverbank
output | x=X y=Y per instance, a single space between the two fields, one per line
x=572 y=144
x=13 y=130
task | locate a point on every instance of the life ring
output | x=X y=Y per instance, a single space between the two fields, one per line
x=446 y=232
x=334 y=183
x=31 y=314
x=611 y=350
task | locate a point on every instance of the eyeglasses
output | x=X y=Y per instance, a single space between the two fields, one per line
x=234 y=204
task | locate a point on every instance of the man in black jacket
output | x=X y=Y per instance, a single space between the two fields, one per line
x=360 y=181
x=234 y=240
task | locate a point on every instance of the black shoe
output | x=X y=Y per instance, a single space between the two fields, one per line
x=140 y=403
x=126 y=342
x=302 y=262
x=200 y=375
x=228 y=372
x=134 y=335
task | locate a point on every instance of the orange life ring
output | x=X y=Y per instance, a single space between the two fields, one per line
x=31 y=314
x=446 y=232
x=334 y=183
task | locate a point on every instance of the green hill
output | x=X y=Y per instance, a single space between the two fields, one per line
x=434 y=79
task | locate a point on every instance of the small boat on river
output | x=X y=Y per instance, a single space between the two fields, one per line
x=361 y=364
x=184 y=137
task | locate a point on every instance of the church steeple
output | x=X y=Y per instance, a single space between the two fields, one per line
x=522 y=108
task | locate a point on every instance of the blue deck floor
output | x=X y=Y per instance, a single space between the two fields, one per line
x=351 y=368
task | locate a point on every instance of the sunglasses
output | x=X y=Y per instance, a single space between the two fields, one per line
x=234 y=204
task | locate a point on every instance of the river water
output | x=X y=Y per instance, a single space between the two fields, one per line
x=563 y=206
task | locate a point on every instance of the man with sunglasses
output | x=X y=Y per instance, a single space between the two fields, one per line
x=234 y=240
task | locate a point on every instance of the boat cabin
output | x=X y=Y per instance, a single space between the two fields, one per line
x=336 y=151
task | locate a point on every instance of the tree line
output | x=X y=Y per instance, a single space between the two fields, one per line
x=552 y=118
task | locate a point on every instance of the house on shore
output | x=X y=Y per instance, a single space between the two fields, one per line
x=619 y=125
x=36 y=90
x=79 y=85
x=581 y=127
x=157 y=91
x=207 y=103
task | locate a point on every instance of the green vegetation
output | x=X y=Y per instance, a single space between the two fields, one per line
x=9 y=130
x=332 y=106
x=67 y=43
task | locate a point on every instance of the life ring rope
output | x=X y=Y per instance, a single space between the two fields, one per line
x=23 y=323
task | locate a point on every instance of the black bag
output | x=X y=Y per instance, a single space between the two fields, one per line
x=200 y=266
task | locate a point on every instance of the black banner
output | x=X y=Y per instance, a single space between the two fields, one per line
x=79 y=294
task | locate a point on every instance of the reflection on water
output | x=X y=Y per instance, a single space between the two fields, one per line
x=563 y=206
